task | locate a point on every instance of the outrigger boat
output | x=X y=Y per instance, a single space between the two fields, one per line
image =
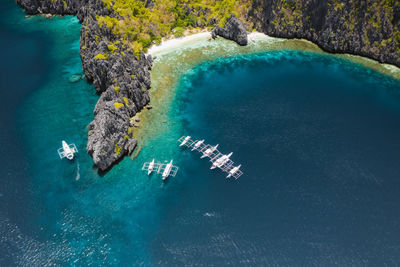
x=233 y=171
x=221 y=161
x=166 y=169
x=209 y=151
x=151 y=166
x=185 y=140
x=67 y=151
x=198 y=144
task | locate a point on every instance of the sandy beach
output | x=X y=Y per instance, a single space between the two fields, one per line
x=259 y=42
x=172 y=44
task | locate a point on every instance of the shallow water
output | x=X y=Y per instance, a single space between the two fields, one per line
x=317 y=138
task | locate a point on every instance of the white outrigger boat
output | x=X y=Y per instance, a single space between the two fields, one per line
x=209 y=151
x=151 y=166
x=166 y=169
x=185 y=141
x=221 y=161
x=198 y=144
x=67 y=151
x=233 y=171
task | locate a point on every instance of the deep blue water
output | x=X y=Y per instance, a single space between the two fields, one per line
x=318 y=139
x=23 y=67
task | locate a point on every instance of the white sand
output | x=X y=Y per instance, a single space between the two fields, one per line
x=172 y=44
x=199 y=38
x=258 y=35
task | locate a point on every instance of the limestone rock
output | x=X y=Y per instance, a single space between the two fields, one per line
x=121 y=78
x=233 y=30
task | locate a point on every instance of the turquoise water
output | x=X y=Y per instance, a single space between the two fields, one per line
x=317 y=138
x=66 y=212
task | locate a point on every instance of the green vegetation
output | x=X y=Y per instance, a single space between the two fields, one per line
x=112 y=48
x=396 y=37
x=362 y=18
x=118 y=105
x=117 y=149
x=179 y=31
x=130 y=130
x=126 y=101
x=142 y=26
x=289 y=14
x=116 y=88
x=101 y=56
x=338 y=6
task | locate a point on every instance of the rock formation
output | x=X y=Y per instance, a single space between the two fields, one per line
x=120 y=77
x=233 y=30
x=366 y=28
x=57 y=7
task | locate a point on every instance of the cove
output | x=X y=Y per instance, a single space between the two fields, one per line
x=317 y=137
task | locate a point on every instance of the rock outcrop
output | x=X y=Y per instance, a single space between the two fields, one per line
x=233 y=30
x=56 y=7
x=366 y=28
x=121 y=78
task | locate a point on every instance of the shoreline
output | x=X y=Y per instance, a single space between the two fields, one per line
x=177 y=56
x=174 y=43
x=169 y=45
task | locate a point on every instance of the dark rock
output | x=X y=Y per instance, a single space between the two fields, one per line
x=355 y=27
x=233 y=30
x=56 y=7
x=131 y=145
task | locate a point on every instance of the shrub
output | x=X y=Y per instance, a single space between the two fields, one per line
x=102 y=56
x=117 y=149
x=118 y=105
x=178 y=31
x=126 y=101
x=112 y=48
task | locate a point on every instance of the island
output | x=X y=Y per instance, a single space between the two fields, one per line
x=116 y=34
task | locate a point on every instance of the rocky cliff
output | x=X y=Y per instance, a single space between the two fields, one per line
x=364 y=27
x=233 y=30
x=121 y=78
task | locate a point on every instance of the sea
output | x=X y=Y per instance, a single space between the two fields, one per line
x=317 y=136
